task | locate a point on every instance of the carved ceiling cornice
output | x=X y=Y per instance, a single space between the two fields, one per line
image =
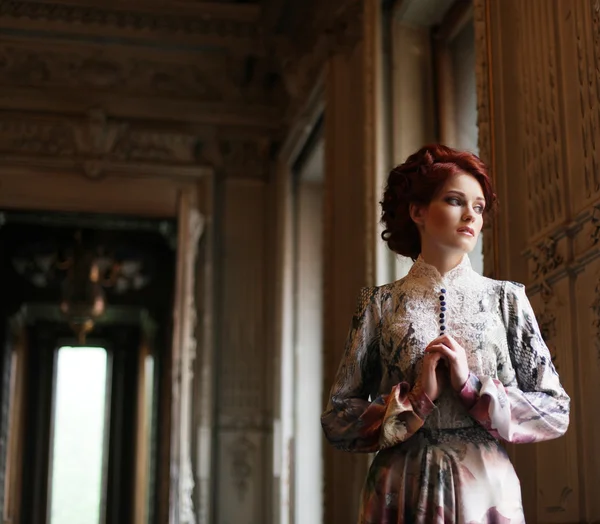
x=334 y=27
x=170 y=111
x=235 y=81
x=231 y=26
x=98 y=145
x=182 y=87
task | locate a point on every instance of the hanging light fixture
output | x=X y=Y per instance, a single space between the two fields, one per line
x=82 y=297
x=81 y=272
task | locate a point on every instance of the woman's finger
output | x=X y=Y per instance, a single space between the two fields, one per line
x=442 y=339
x=451 y=343
x=443 y=350
x=448 y=341
x=432 y=360
x=432 y=357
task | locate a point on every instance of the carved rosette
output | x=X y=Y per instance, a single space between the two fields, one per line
x=545 y=258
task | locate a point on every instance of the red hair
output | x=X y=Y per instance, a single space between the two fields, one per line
x=417 y=181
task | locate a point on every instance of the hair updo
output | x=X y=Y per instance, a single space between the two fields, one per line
x=417 y=181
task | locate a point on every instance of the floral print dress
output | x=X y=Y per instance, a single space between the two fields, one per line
x=442 y=461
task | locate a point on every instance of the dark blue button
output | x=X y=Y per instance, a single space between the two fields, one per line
x=443 y=328
x=443 y=290
x=442 y=303
x=442 y=297
x=442 y=315
x=442 y=320
x=443 y=309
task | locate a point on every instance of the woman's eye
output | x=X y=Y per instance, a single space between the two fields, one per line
x=454 y=201
x=479 y=209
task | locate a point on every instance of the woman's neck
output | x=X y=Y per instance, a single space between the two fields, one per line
x=443 y=262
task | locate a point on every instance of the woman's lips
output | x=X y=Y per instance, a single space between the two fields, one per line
x=467 y=231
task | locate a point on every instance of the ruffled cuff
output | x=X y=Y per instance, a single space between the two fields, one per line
x=405 y=414
x=421 y=402
x=469 y=394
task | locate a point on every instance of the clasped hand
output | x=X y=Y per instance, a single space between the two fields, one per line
x=443 y=355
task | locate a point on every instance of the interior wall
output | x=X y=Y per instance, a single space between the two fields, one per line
x=244 y=429
x=545 y=87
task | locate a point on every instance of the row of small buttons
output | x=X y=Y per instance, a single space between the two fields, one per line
x=443 y=311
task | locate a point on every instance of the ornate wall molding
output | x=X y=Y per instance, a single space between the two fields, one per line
x=195 y=229
x=191 y=228
x=561 y=506
x=482 y=71
x=584 y=233
x=595 y=311
x=485 y=137
x=595 y=220
x=93 y=143
x=242 y=452
x=542 y=149
x=545 y=258
x=208 y=77
x=80 y=68
x=547 y=318
x=97 y=143
x=336 y=27
x=546 y=59
x=201 y=20
x=587 y=15
x=244 y=157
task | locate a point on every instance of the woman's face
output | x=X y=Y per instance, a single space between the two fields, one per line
x=453 y=219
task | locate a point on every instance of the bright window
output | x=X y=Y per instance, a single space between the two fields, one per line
x=78 y=436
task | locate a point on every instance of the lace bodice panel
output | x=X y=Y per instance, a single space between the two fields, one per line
x=410 y=320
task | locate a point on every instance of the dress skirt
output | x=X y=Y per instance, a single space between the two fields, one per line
x=451 y=476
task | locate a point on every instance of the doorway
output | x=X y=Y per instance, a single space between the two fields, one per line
x=81 y=415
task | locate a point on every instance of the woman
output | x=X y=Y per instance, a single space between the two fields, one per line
x=451 y=361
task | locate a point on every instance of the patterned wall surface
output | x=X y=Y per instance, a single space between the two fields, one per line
x=552 y=147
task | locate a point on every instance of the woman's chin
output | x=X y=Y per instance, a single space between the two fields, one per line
x=463 y=248
x=466 y=243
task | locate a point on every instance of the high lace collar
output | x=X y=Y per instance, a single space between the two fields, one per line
x=424 y=271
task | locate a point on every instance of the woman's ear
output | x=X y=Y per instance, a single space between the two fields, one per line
x=417 y=213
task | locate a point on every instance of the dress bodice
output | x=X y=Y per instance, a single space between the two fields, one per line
x=411 y=315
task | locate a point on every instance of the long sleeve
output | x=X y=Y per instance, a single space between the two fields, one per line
x=531 y=405
x=351 y=422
